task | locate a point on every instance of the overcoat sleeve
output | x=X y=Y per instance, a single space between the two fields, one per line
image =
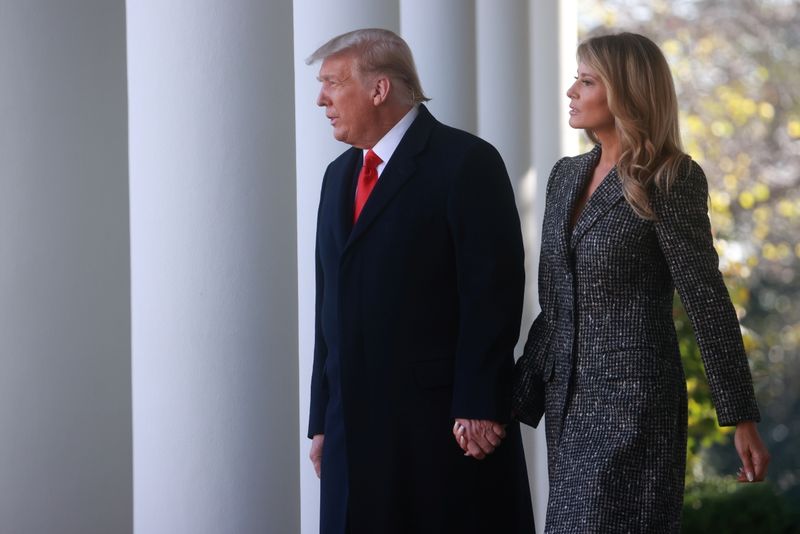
x=684 y=236
x=542 y=323
x=535 y=365
x=319 y=382
x=487 y=242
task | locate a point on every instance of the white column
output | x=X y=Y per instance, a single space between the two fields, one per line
x=504 y=109
x=504 y=119
x=316 y=147
x=553 y=41
x=65 y=451
x=441 y=35
x=214 y=291
x=554 y=28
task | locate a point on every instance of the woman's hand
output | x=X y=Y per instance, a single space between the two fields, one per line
x=753 y=453
x=478 y=437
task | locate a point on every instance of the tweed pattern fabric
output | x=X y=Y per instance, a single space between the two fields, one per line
x=602 y=359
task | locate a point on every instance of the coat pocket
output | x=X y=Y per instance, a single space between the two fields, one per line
x=432 y=374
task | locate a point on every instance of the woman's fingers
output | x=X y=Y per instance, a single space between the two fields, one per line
x=752 y=452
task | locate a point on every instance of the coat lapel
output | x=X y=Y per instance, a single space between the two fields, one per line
x=607 y=194
x=345 y=180
x=577 y=175
x=400 y=168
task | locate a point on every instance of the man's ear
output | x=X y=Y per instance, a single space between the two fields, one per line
x=380 y=90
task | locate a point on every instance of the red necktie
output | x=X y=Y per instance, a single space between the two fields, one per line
x=366 y=181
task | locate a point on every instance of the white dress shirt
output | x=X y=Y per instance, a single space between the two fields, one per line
x=388 y=143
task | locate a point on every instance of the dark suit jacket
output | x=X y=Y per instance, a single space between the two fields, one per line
x=602 y=358
x=418 y=311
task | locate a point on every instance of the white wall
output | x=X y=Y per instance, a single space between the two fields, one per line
x=65 y=408
x=214 y=258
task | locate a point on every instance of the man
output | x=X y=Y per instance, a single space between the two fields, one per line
x=419 y=295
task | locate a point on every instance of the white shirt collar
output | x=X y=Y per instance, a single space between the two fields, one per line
x=389 y=142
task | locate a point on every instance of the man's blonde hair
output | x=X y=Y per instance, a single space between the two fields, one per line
x=377 y=51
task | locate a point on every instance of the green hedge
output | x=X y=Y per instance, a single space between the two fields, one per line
x=719 y=506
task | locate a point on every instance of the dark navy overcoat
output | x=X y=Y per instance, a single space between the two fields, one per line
x=417 y=313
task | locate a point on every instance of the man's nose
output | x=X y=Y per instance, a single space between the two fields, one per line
x=321 y=98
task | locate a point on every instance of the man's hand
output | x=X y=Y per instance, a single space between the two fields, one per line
x=316 y=453
x=478 y=437
x=752 y=452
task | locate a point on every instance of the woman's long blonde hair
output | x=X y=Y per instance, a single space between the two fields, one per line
x=641 y=96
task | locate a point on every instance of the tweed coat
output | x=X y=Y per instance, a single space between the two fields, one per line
x=418 y=311
x=602 y=358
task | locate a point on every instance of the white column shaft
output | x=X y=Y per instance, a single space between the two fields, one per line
x=504 y=98
x=553 y=41
x=504 y=119
x=65 y=451
x=441 y=35
x=213 y=267
x=504 y=95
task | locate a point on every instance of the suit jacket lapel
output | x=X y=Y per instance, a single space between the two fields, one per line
x=607 y=194
x=400 y=168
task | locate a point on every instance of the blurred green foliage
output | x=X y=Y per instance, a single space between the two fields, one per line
x=726 y=506
x=736 y=65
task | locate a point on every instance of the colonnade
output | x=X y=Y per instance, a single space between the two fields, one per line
x=160 y=165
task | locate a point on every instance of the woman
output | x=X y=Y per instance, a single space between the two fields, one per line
x=624 y=225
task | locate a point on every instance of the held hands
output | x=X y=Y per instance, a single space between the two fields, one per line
x=752 y=452
x=478 y=437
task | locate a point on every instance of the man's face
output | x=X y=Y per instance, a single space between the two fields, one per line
x=347 y=100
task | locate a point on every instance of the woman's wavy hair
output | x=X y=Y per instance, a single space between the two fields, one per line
x=641 y=96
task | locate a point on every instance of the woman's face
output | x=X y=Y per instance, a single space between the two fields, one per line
x=588 y=107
